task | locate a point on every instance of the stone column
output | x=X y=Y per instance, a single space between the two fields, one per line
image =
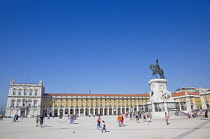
x=121 y=110
x=143 y=105
x=63 y=112
x=108 y=111
x=103 y=112
x=188 y=101
x=85 y=111
x=180 y=107
x=74 y=111
x=88 y=111
x=112 y=111
x=137 y=108
x=194 y=104
x=69 y=111
x=203 y=102
x=58 y=111
x=99 y=110
x=165 y=106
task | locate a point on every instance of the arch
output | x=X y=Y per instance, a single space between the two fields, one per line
x=61 y=112
x=71 y=111
x=96 y=111
x=135 y=109
x=91 y=111
x=123 y=110
x=110 y=111
x=101 y=111
x=127 y=110
x=56 y=112
x=82 y=111
x=106 y=111
x=77 y=111
x=86 y=111
x=66 y=111
x=118 y=111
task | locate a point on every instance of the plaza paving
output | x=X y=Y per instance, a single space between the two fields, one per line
x=85 y=127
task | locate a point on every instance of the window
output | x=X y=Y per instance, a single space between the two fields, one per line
x=19 y=93
x=14 y=92
x=12 y=103
x=29 y=103
x=25 y=92
x=36 y=92
x=18 y=103
x=35 y=103
x=30 y=92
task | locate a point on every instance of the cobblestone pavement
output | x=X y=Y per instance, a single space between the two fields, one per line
x=85 y=128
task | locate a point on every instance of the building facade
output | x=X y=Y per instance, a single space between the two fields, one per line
x=24 y=98
x=30 y=99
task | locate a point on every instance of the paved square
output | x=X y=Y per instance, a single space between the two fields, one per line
x=85 y=127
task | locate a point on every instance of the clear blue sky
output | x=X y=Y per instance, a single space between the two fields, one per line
x=105 y=45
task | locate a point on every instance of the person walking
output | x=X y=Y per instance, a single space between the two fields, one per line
x=166 y=118
x=71 y=117
x=60 y=117
x=130 y=115
x=121 y=120
x=99 y=122
x=103 y=125
x=137 y=118
x=118 y=120
x=41 y=119
x=37 y=120
x=206 y=113
x=14 y=118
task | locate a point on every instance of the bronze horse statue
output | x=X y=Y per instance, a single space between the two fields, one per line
x=156 y=70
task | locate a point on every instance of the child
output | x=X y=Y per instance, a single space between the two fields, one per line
x=103 y=126
x=37 y=120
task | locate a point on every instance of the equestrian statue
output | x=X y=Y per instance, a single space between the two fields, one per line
x=157 y=70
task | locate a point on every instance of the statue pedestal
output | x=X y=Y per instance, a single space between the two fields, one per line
x=160 y=98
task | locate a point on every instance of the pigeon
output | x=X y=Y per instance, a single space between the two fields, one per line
x=73 y=132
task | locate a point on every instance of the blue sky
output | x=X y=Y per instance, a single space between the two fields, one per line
x=105 y=45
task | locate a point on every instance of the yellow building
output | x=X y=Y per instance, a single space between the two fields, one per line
x=86 y=104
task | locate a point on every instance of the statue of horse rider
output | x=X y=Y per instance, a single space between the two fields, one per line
x=157 y=70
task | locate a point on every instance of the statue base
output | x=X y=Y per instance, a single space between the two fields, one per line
x=160 y=99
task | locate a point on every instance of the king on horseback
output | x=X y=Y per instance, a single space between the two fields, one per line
x=157 y=70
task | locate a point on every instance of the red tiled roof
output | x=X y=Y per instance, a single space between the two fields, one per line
x=119 y=95
x=183 y=94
